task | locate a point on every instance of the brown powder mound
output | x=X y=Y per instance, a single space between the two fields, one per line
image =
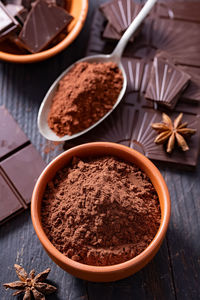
x=101 y=211
x=84 y=96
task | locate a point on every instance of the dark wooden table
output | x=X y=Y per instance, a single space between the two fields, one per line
x=175 y=271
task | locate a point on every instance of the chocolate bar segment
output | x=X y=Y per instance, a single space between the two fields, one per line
x=120 y=13
x=20 y=166
x=23 y=168
x=192 y=92
x=166 y=83
x=11 y=136
x=42 y=25
x=180 y=39
x=9 y=203
x=187 y=11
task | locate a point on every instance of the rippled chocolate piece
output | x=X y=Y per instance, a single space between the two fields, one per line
x=166 y=83
x=188 y=11
x=120 y=13
x=137 y=72
x=192 y=92
x=180 y=39
x=42 y=25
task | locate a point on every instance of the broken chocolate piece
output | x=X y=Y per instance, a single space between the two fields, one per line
x=137 y=72
x=10 y=203
x=8 y=25
x=192 y=92
x=20 y=166
x=42 y=25
x=166 y=83
x=121 y=13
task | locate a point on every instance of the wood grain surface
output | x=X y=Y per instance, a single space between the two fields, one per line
x=174 y=274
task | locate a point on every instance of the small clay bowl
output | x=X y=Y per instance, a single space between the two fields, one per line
x=106 y=273
x=78 y=9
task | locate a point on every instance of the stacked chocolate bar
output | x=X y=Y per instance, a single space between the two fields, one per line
x=163 y=71
x=32 y=24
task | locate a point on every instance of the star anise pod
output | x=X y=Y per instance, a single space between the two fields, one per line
x=31 y=285
x=172 y=132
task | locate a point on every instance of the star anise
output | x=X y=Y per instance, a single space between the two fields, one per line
x=172 y=131
x=31 y=285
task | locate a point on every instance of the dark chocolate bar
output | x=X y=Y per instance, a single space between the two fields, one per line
x=166 y=83
x=187 y=11
x=20 y=166
x=46 y=22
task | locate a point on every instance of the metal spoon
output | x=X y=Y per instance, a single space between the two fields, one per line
x=115 y=56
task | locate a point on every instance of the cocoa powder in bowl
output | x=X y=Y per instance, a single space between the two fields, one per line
x=100 y=211
x=84 y=95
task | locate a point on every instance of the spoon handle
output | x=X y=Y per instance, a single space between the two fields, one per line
x=117 y=53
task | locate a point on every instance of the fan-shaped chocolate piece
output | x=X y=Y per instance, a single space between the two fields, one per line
x=166 y=83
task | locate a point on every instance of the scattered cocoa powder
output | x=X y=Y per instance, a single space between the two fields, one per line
x=100 y=211
x=84 y=96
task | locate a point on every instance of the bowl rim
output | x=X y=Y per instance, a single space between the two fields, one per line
x=43 y=55
x=137 y=260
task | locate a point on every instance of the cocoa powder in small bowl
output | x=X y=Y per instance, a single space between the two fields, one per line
x=84 y=95
x=100 y=211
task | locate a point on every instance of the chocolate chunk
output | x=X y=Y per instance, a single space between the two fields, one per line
x=9 y=203
x=192 y=92
x=121 y=13
x=20 y=166
x=11 y=136
x=111 y=33
x=28 y=163
x=137 y=72
x=180 y=39
x=166 y=83
x=188 y=11
x=8 y=25
x=46 y=22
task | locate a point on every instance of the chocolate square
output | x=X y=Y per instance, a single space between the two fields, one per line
x=192 y=92
x=46 y=21
x=23 y=168
x=121 y=13
x=166 y=83
x=11 y=136
x=9 y=203
x=137 y=72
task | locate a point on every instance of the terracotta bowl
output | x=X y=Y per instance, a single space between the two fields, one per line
x=107 y=273
x=78 y=9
